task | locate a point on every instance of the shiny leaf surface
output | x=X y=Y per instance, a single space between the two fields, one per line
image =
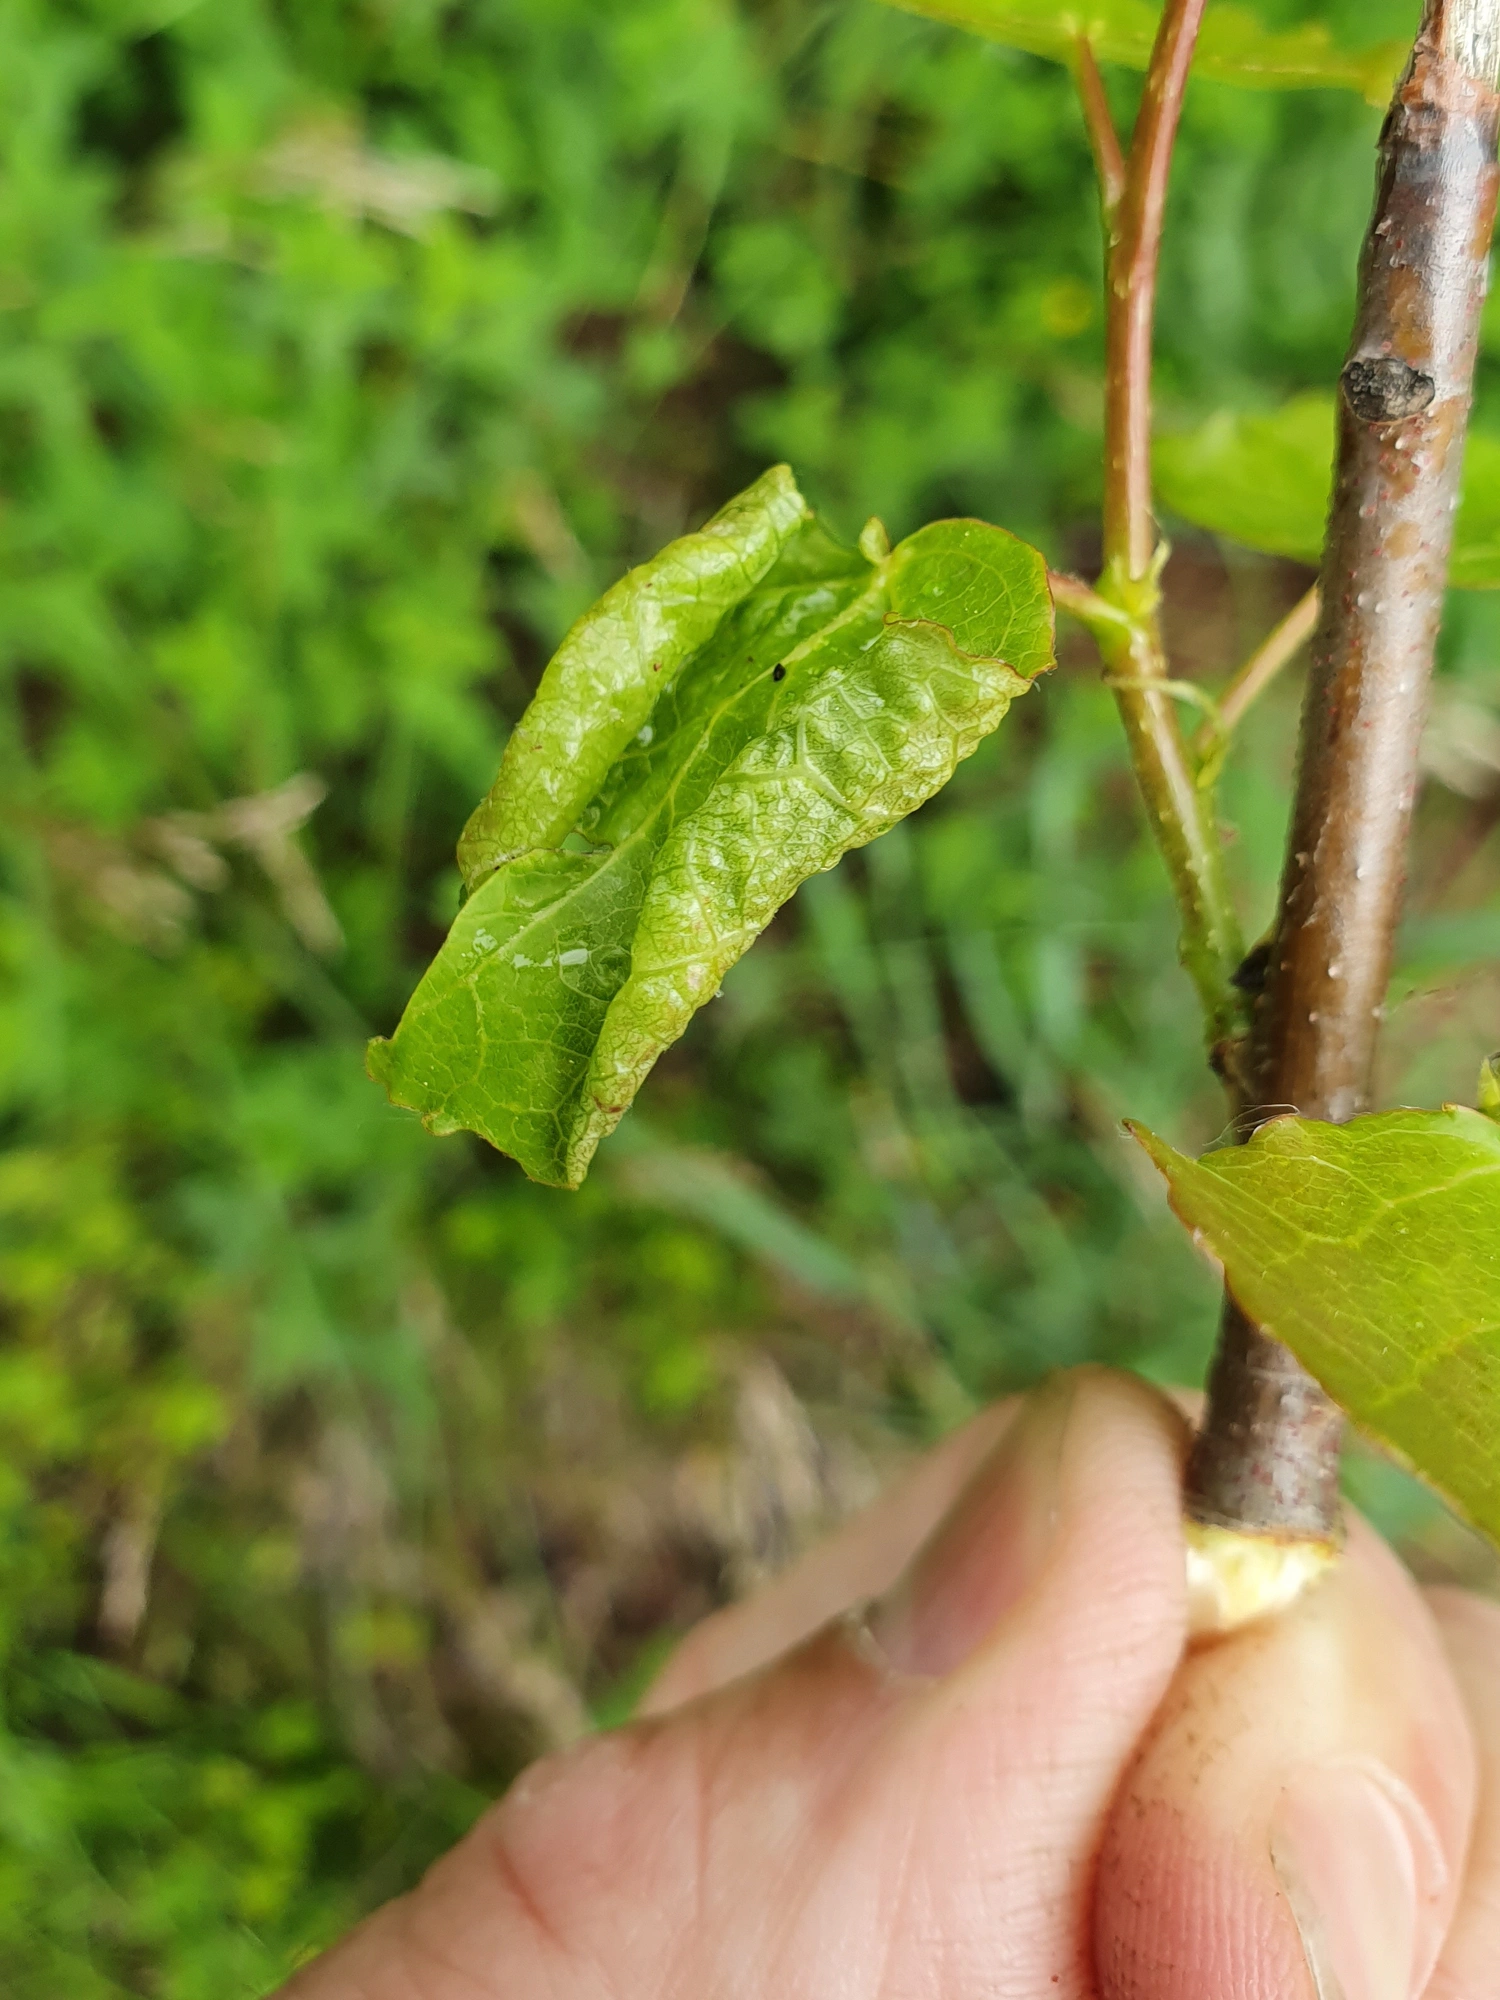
x=833 y=697
x=1373 y=1250
x=619 y=658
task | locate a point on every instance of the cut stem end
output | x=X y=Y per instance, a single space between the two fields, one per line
x=1236 y=1576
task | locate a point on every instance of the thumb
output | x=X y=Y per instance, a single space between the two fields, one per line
x=1296 y=1823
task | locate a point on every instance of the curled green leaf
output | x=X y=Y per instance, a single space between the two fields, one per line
x=1235 y=45
x=1265 y=481
x=1372 y=1250
x=832 y=699
x=614 y=665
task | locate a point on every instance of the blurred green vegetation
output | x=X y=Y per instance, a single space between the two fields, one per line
x=347 y=349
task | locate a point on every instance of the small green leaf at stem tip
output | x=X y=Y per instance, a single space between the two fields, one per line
x=1372 y=1250
x=1488 y=1098
x=874 y=543
x=1235 y=45
x=1265 y=480
x=836 y=692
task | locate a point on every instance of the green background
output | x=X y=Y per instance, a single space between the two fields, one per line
x=346 y=352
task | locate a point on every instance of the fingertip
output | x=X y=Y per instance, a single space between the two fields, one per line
x=1117 y=1568
x=861 y=1560
x=1297 y=1819
x=1072 y=1522
x=1138 y=1442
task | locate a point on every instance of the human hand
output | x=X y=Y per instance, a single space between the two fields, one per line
x=959 y=1753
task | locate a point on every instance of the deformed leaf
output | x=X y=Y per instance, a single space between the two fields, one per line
x=1265 y=481
x=1373 y=1250
x=607 y=675
x=1234 y=46
x=834 y=696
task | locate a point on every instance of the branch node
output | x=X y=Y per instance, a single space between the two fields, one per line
x=1109 y=161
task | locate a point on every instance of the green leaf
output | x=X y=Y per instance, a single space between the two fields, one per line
x=607 y=675
x=832 y=697
x=1265 y=481
x=1260 y=480
x=1235 y=45
x=1373 y=1250
x=1475 y=562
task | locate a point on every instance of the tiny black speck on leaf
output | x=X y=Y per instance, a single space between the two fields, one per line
x=778 y=672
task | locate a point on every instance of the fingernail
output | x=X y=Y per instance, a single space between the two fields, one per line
x=987 y=1550
x=1363 y=1871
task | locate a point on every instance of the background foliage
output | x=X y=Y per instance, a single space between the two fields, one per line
x=346 y=351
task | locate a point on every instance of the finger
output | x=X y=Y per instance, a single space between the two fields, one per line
x=1056 y=1637
x=861 y=1560
x=1469 y=1968
x=906 y=1806
x=1296 y=1823
x=647 y=1777
x=903 y=1807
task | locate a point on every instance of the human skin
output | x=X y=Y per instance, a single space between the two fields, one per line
x=964 y=1752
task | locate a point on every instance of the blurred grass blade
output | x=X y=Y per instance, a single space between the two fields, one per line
x=716 y=1188
x=1438 y=949
x=1236 y=46
x=1373 y=1250
x=1265 y=481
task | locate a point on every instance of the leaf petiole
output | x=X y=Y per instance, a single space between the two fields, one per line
x=1081 y=601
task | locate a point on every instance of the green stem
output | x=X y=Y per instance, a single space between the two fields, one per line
x=1264 y=664
x=1181 y=816
x=1179 y=810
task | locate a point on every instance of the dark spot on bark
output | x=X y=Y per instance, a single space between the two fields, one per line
x=1383 y=389
x=778 y=672
x=1250 y=974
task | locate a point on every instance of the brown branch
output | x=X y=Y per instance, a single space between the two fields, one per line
x=1267 y=1458
x=1274 y=651
x=1109 y=161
